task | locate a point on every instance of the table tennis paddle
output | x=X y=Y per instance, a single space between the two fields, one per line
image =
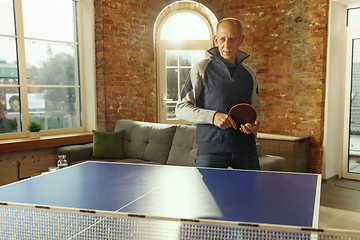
x=243 y=113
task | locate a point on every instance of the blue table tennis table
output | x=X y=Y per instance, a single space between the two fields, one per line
x=176 y=192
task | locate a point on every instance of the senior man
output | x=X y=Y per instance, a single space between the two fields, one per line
x=213 y=86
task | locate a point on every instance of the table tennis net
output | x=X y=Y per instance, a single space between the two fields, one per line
x=19 y=221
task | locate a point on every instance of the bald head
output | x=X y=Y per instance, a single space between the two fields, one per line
x=230 y=20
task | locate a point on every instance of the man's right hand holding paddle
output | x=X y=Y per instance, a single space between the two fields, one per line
x=224 y=121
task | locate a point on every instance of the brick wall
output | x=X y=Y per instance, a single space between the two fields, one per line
x=126 y=77
x=286 y=40
x=287 y=43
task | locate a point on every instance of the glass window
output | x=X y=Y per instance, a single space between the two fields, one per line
x=185 y=26
x=7 y=18
x=353 y=17
x=179 y=63
x=178 y=66
x=59 y=24
x=183 y=41
x=10 y=88
x=50 y=47
x=354 y=146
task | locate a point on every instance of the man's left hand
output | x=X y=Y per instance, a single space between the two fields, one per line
x=250 y=128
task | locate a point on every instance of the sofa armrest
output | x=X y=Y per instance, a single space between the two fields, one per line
x=75 y=153
x=272 y=163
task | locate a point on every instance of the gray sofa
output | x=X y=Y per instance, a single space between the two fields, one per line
x=155 y=143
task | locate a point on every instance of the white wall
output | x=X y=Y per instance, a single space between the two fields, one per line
x=334 y=96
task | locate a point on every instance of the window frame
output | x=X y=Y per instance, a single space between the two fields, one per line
x=352 y=32
x=86 y=60
x=162 y=46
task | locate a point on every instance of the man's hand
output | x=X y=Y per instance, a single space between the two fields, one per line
x=224 y=121
x=247 y=128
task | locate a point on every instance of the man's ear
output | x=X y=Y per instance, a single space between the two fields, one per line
x=242 y=40
x=215 y=40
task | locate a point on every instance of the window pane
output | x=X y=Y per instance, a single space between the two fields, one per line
x=7 y=51
x=50 y=63
x=353 y=17
x=176 y=74
x=356 y=52
x=171 y=57
x=9 y=82
x=354 y=146
x=7 y=17
x=185 y=58
x=172 y=83
x=51 y=20
x=54 y=108
x=198 y=55
x=10 y=110
x=184 y=72
x=170 y=110
x=8 y=74
x=185 y=26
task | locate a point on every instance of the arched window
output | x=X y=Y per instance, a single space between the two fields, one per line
x=182 y=40
x=184 y=26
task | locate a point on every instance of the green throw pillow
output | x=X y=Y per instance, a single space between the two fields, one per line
x=108 y=145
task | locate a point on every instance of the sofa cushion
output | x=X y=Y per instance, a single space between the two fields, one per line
x=184 y=148
x=108 y=145
x=146 y=141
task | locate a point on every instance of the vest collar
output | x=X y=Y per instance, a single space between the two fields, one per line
x=240 y=56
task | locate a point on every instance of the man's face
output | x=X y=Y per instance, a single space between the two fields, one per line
x=228 y=40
